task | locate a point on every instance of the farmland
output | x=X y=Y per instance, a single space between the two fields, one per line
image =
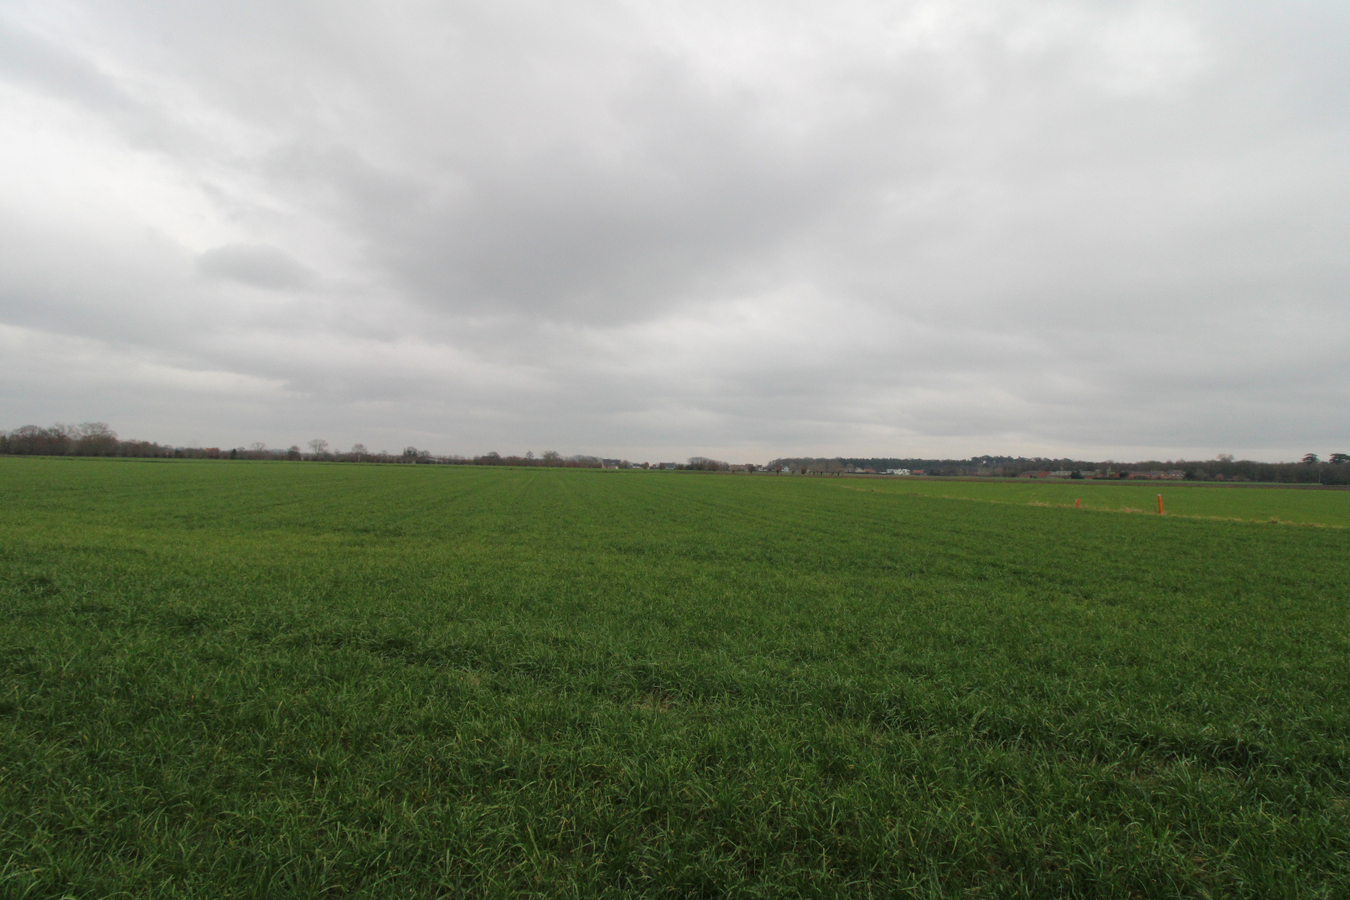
x=1257 y=504
x=298 y=679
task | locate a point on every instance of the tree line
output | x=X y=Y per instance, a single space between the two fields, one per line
x=1311 y=469
x=98 y=439
x=86 y=439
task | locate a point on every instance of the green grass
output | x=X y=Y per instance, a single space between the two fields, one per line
x=294 y=679
x=1308 y=506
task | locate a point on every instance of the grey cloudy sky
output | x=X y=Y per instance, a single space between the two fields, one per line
x=652 y=230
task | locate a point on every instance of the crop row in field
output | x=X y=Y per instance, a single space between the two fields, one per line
x=1258 y=504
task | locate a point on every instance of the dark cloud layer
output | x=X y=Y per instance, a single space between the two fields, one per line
x=738 y=229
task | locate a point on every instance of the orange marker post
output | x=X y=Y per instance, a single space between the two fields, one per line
x=1077 y=503
x=1160 y=512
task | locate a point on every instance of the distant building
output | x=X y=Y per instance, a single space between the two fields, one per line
x=897 y=471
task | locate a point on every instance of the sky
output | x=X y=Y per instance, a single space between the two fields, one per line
x=648 y=230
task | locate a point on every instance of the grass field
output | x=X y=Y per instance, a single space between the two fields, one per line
x=1295 y=505
x=310 y=680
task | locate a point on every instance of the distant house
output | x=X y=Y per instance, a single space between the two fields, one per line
x=668 y=465
x=897 y=471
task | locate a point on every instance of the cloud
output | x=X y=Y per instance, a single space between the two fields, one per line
x=255 y=264
x=749 y=229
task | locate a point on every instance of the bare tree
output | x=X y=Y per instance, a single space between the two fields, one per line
x=38 y=441
x=319 y=447
x=95 y=439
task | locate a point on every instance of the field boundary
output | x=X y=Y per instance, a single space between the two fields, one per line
x=1098 y=482
x=1127 y=510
